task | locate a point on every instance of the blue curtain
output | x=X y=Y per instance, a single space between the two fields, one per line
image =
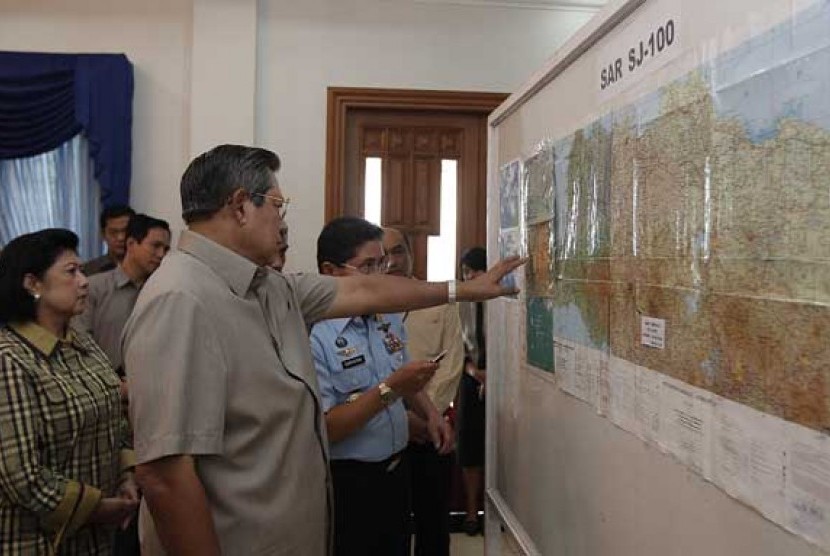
x=46 y=99
x=52 y=190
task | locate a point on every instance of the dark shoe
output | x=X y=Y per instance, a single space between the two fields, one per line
x=470 y=526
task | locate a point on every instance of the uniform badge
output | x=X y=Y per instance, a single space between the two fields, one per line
x=340 y=342
x=392 y=343
x=346 y=352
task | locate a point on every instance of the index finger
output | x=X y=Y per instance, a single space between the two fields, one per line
x=508 y=264
x=431 y=369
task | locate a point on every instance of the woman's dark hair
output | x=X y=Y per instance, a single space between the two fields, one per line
x=475 y=258
x=29 y=254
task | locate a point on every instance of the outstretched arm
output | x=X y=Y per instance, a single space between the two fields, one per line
x=366 y=294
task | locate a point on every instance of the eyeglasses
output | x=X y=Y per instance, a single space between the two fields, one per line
x=379 y=266
x=280 y=203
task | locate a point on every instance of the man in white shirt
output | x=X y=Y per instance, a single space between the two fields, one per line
x=431 y=331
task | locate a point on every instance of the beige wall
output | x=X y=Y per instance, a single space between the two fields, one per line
x=223 y=77
x=210 y=71
x=307 y=46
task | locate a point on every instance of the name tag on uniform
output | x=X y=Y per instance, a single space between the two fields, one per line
x=353 y=362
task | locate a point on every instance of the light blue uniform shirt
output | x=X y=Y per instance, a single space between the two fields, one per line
x=350 y=356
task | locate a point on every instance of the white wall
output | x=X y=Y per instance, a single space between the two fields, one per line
x=223 y=77
x=156 y=37
x=307 y=46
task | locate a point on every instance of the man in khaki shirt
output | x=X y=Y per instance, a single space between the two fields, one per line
x=431 y=331
x=112 y=294
x=229 y=436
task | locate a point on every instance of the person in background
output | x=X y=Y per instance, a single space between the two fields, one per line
x=365 y=374
x=431 y=332
x=226 y=412
x=112 y=294
x=471 y=419
x=65 y=483
x=113 y=222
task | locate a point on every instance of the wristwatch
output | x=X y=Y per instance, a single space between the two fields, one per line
x=387 y=395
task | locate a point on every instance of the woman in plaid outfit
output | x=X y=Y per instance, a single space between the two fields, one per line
x=62 y=431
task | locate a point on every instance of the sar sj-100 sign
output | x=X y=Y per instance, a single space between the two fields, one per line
x=653 y=44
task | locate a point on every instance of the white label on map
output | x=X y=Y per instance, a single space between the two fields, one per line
x=579 y=369
x=649 y=41
x=748 y=456
x=622 y=378
x=564 y=362
x=586 y=386
x=512 y=384
x=653 y=332
x=686 y=424
x=647 y=404
x=808 y=485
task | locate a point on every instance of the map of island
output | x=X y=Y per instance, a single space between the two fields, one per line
x=707 y=204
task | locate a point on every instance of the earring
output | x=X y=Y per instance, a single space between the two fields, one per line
x=36 y=296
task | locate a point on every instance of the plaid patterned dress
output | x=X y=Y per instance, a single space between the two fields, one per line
x=61 y=429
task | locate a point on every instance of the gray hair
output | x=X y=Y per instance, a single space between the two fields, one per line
x=213 y=176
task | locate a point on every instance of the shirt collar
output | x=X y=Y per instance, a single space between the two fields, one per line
x=121 y=278
x=237 y=271
x=43 y=340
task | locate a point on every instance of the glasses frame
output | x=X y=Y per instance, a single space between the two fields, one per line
x=379 y=267
x=280 y=203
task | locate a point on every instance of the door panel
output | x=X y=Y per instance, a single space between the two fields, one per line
x=423 y=194
x=412 y=145
x=394 y=179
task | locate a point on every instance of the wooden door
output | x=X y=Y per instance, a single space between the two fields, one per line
x=413 y=139
x=412 y=147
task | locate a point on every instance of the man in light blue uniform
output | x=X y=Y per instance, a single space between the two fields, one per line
x=364 y=374
x=363 y=362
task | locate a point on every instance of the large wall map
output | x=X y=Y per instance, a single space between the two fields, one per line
x=707 y=204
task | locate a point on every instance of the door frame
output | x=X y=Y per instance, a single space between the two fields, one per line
x=342 y=99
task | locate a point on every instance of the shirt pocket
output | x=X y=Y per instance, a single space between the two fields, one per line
x=60 y=416
x=352 y=372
